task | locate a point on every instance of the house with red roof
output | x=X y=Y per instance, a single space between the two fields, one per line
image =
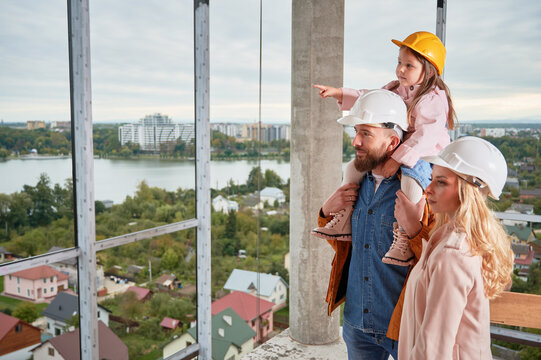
x=38 y=284
x=66 y=346
x=17 y=337
x=524 y=256
x=245 y=305
x=141 y=293
x=170 y=323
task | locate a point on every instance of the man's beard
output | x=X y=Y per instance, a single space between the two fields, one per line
x=370 y=160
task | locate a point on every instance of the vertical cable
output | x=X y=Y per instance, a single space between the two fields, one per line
x=259 y=175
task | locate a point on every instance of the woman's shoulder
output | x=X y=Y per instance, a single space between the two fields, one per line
x=455 y=243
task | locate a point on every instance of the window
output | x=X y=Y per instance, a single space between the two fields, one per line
x=18 y=328
x=18 y=280
x=45 y=290
x=282 y=297
x=27 y=292
x=9 y=277
x=51 y=351
x=52 y=289
x=98 y=314
x=44 y=280
x=52 y=278
x=48 y=326
x=18 y=290
x=57 y=331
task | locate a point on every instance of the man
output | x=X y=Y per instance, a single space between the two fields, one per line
x=371 y=289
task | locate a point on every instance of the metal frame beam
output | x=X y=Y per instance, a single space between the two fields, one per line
x=202 y=173
x=83 y=173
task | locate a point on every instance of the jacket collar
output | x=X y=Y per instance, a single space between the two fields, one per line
x=407 y=93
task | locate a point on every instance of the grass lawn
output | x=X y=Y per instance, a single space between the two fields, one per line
x=8 y=303
x=283 y=311
x=156 y=354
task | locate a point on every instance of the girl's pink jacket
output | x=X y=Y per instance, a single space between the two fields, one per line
x=446 y=314
x=428 y=135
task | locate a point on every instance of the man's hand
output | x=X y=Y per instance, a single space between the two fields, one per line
x=345 y=195
x=407 y=214
x=329 y=91
x=390 y=167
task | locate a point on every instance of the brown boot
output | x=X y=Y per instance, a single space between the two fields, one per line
x=400 y=252
x=339 y=228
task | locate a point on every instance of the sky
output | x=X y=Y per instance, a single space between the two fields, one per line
x=142 y=57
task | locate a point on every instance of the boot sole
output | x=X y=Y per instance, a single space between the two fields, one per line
x=399 y=262
x=342 y=237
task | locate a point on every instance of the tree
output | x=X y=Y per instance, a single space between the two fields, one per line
x=169 y=260
x=26 y=311
x=5 y=204
x=72 y=322
x=43 y=210
x=272 y=178
x=252 y=184
x=129 y=306
x=231 y=225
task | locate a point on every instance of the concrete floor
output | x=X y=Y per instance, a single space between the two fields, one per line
x=283 y=346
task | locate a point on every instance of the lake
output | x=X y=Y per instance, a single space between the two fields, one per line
x=115 y=179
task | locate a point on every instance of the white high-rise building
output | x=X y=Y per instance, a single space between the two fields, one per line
x=154 y=130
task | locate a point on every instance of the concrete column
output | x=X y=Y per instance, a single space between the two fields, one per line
x=316 y=162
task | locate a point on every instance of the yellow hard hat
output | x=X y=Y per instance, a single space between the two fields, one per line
x=428 y=45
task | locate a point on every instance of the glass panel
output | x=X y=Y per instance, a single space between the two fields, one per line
x=150 y=288
x=36 y=192
x=142 y=83
x=40 y=308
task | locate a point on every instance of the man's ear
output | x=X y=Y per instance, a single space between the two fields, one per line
x=395 y=141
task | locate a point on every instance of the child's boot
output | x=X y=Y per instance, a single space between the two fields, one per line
x=400 y=252
x=339 y=228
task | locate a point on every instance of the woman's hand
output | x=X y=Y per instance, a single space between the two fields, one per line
x=408 y=214
x=329 y=91
x=344 y=196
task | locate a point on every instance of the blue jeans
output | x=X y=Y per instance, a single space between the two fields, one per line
x=367 y=346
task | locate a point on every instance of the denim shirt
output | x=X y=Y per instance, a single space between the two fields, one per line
x=373 y=287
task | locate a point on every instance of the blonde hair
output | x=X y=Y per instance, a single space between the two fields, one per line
x=431 y=79
x=485 y=235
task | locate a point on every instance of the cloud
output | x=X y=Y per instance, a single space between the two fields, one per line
x=142 y=56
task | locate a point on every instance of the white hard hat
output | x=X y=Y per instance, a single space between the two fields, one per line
x=478 y=161
x=380 y=107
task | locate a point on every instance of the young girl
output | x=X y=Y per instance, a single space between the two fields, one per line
x=430 y=113
x=467 y=261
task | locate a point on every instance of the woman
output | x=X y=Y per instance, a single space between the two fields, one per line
x=467 y=261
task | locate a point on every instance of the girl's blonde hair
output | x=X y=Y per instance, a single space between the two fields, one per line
x=430 y=80
x=485 y=235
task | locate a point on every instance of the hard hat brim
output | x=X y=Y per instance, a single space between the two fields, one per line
x=349 y=120
x=398 y=43
x=436 y=160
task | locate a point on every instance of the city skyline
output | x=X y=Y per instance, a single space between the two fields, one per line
x=142 y=57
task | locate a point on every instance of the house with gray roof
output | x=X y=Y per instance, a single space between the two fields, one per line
x=63 y=308
x=271 y=287
x=272 y=194
x=232 y=338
